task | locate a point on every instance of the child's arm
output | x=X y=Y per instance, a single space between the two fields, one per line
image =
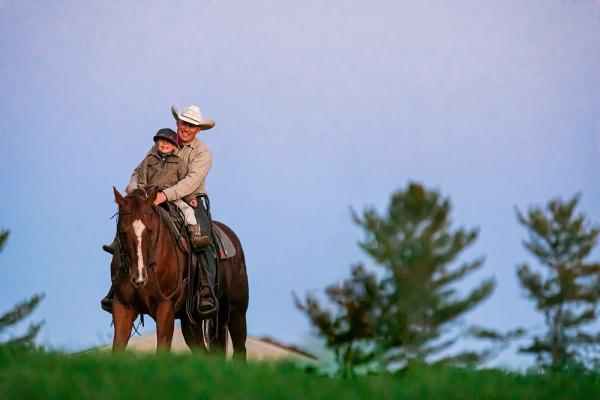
x=138 y=177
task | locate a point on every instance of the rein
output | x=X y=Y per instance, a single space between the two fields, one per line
x=152 y=263
x=125 y=264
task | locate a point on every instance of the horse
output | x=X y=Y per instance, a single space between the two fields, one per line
x=149 y=273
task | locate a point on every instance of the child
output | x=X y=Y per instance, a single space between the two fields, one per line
x=162 y=169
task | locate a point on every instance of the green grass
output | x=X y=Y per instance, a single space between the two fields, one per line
x=135 y=376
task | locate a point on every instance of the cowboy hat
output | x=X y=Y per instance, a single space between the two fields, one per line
x=192 y=115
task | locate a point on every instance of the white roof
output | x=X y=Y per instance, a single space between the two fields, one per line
x=257 y=349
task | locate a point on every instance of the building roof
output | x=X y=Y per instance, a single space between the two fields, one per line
x=257 y=348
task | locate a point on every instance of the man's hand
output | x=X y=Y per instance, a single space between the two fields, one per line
x=194 y=203
x=160 y=198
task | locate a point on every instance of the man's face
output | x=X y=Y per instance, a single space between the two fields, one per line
x=186 y=131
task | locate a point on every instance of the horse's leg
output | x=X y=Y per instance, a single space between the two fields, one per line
x=220 y=344
x=238 y=305
x=237 y=329
x=123 y=318
x=192 y=335
x=165 y=323
x=236 y=283
x=220 y=329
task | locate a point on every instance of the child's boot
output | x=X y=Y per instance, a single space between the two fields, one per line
x=110 y=248
x=198 y=241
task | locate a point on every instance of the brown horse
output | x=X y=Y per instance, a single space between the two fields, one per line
x=149 y=273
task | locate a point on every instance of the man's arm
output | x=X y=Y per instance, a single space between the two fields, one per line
x=198 y=168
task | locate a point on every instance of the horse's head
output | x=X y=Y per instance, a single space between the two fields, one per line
x=137 y=229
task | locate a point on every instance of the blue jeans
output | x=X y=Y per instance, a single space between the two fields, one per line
x=208 y=265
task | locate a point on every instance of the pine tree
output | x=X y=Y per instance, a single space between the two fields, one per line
x=348 y=329
x=403 y=313
x=566 y=288
x=17 y=314
x=415 y=247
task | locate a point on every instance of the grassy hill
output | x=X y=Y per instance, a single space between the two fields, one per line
x=135 y=376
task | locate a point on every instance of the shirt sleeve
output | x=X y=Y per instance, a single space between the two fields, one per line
x=198 y=167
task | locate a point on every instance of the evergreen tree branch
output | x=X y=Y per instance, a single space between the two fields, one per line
x=27 y=341
x=19 y=311
x=3 y=238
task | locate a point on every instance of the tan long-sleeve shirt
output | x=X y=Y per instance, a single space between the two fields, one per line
x=199 y=159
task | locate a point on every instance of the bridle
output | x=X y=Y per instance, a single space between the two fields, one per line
x=151 y=261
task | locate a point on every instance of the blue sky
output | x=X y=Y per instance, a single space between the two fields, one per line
x=320 y=106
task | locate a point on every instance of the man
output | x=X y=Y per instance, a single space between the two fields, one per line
x=199 y=159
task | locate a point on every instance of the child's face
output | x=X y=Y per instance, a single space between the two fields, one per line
x=165 y=146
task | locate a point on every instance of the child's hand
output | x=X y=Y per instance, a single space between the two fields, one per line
x=194 y=203
x=160 y=198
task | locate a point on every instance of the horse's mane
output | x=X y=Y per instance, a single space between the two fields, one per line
x=136 y=199
x=137 y=192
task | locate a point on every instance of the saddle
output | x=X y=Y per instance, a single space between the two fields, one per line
x=223 y=243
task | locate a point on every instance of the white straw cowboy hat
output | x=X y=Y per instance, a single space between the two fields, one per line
x=193 y=116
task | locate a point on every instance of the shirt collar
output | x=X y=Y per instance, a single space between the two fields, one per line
x=193 y=144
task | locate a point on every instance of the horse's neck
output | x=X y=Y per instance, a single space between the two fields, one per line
x=166 y=240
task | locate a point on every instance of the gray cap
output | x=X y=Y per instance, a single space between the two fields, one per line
x=167 y=134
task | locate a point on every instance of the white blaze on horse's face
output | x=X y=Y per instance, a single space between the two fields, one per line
x=138 y=229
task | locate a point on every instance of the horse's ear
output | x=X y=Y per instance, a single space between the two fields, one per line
x=152 y=195
x=118 y=198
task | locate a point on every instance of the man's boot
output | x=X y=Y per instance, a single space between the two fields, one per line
x=107 y=301
x=206 y=305
x=198 y=241
x=110 y=248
